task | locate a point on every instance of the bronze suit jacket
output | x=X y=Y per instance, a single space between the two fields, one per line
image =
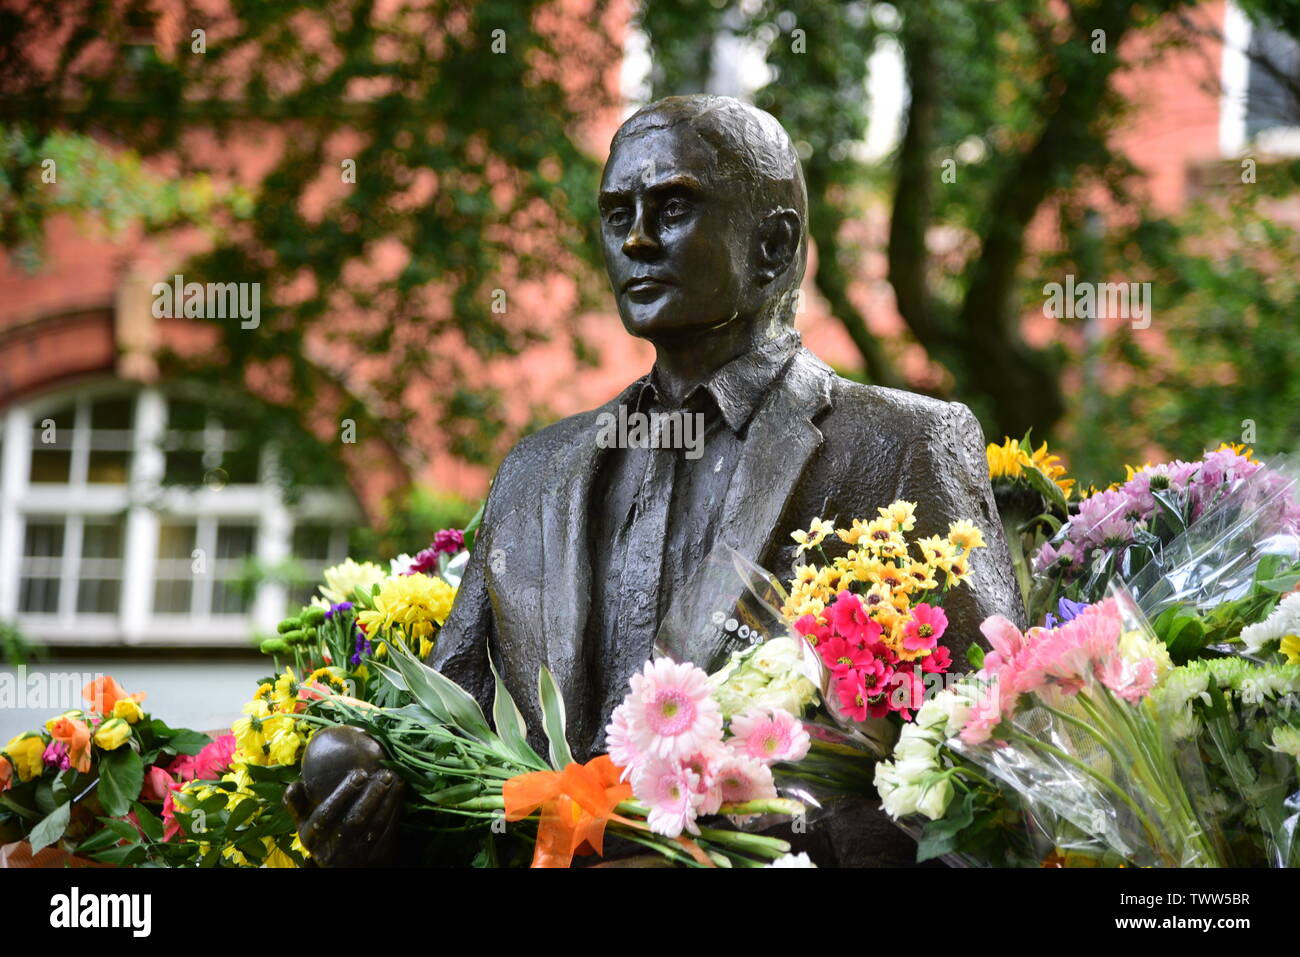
x=820 y=445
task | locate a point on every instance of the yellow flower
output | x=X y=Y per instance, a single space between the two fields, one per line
x=901 y=514
x=1006 y=460
x=274 y=856
x=235 y=856
x=1009 y=461
x=284 y=745
x=24 y=752
x=884 y=539
x=805 y=573
x=416 y=603
x=893 y=577
x=939 y=552
x=815 y=535
x=965 y=535
x=958 y=571
x=128 y=709
x=921 y=575
x=285 y=694
x=854 y=533
x=1291 y=648
x=112 y=734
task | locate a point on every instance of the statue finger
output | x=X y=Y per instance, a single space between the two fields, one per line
x=295 y=799
x=333 y=810
x=363 y=817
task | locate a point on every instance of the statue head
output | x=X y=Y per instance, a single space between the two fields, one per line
x=703 y=219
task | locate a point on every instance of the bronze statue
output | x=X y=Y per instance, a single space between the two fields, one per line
x=582 y=546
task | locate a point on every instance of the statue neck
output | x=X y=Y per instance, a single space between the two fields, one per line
x=684 y=362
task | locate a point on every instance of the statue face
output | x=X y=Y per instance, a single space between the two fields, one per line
x=675 y=235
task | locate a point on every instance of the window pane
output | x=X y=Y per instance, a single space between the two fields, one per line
x=100 y=587
x=184 y=442
x=311 y=552
x=116 y=414
x=235 y=544
x=40 y=577
x=52 y=447
x=173 y=574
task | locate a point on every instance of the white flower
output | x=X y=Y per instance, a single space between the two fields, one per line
x=945 y=713
x=901 y=799
x=1136 y=644
x=401 y=565
x=342 y=579
x=1285 y=620
x=793 y=860
x=934 y=803
x=915 y=745
x=1286 y=740
x=777 y=658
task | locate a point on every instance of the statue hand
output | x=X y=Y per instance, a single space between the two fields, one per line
x=347 y=806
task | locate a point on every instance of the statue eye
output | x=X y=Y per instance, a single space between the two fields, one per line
x=676 y=208
x=619 y=216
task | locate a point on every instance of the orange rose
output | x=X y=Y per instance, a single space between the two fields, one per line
x=76 y=736
x=6 y=773
x=104 y=693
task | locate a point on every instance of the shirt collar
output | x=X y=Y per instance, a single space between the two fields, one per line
x=738 y=388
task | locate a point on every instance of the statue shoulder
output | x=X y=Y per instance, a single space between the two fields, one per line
x=531 y=461
x=856 y=406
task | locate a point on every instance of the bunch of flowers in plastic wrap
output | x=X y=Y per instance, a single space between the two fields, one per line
x=1119 y=532
x=875 y=615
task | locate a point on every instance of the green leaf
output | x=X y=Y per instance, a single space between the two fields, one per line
x=510 y=723
x=150 y=823
x=553 y=720
x=436 y=692
x=186 y=741
x=50 y=829
x=940 y=837
x=97 y=842
x=975 y=655
x=121 y=775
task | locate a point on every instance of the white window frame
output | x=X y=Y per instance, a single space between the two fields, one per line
x=145 y=502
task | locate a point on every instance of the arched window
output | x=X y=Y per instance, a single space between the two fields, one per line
x=130 y=515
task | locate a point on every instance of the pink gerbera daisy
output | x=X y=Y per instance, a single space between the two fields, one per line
x=769 y=736
x=619 y=741
x=745 y=779
x=670 y=711
x=669 y=790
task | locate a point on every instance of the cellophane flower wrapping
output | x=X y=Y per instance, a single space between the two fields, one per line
x=1063 y=719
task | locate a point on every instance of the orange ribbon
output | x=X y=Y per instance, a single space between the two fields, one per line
x=575 y=804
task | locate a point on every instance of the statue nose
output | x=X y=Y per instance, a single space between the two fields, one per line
x=640 y=242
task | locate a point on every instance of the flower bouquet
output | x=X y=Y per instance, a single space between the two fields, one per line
x=85 y=778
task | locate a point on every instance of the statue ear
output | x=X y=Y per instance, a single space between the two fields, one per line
x=778 y=242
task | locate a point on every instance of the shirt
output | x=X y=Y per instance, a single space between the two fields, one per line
x=656 y=507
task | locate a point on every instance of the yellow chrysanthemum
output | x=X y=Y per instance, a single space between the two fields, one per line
x=901 y=513
x=965 y=535
x=884 y=539
x=921 y=575
x=415 y=603
x=815 y=535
